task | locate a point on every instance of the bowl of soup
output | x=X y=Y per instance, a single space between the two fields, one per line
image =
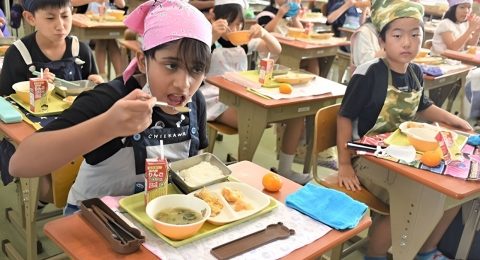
x=178 y=216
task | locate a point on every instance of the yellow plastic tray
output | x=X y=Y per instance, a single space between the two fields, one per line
x=253 y=76
x=135 y=206
x=55 y=105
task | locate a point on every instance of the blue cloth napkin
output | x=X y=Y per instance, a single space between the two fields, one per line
x=331 y=207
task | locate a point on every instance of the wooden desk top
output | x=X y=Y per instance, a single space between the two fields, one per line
x=462 y=56
x=450 y=73
x=450 y=186
x=82 y=21
x=80 y=241
x=241 y=91
x=306 y=45
x=17 y=132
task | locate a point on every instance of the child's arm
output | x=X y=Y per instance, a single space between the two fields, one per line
x=269 y=43
x=436 y=114
x=333 y=16
x=270 y=26
x=43 y=152
x=201 y=4
x=346 y=175
x=296 y=22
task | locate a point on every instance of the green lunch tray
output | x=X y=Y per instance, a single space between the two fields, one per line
x=135 y=206
x=55 y=105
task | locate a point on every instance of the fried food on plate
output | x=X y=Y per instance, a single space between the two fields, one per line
x=211 y=199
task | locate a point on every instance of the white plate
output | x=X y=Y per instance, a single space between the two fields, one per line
x=410 y=124
x=252 y=196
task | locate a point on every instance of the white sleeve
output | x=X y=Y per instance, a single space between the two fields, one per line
x=253 y=45
x=365 y=47
x=445 y=26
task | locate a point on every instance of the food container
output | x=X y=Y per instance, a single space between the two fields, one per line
x=39 y=94
x=423 y=139
x=156 y=178
x=178 y=231
x=239 y=37
x=265 y=73
x=64 y=89
x=22 y=89
x=179 y=181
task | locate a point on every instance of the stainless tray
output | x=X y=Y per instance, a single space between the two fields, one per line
x=176 y=167
x=74 y=89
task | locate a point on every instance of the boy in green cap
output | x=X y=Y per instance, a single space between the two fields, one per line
x=381 y=95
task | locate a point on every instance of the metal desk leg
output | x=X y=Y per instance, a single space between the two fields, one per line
x=469 y=230
x=30 y=198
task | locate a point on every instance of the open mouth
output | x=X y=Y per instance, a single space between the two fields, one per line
x=176 y=100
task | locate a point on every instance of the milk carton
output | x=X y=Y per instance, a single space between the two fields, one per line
x=38 y=94
x=156 y=178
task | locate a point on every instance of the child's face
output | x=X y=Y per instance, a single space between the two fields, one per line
x=169 y=78
x=53 y=24
x=463 y=10
x=236 y=25
x=403 y=39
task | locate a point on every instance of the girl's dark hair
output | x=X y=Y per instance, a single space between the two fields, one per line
x=229 y=12
x=33 y=5
x=383 y=32
x=450 y=14
x=193 y=53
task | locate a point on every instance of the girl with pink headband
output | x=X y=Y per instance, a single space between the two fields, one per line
x=459 y=28
x=116 y=126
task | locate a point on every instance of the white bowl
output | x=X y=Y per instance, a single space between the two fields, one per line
x=22 y=89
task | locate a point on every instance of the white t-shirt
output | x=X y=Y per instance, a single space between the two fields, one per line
x=446 y=25
x=364 y=44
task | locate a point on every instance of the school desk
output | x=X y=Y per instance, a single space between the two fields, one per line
x=85 y=29
x=347 y=32
x=255 y=113
x=293 y=52
x=449 y=80
x=463 y=57
x=417 y=201
x=80 y=241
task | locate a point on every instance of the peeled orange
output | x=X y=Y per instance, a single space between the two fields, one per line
x=432 y=158
x=285 y=89
x=272 y=182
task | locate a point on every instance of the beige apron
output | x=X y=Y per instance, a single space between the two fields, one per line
x=399 y=106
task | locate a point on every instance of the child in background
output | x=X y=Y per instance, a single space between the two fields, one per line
x=343 y=13
x=380 y=96
x=49 y=48
x=116 y=126
x=280 y=15
x=228 y=16
x=459 y=28
x=107 y=46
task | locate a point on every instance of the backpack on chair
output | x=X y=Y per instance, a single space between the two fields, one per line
x=16 y=17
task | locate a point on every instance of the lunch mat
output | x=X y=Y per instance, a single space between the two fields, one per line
x=55 y=105
x=135 y=206
x=467 y=168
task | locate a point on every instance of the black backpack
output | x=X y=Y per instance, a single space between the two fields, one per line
x=16 y=17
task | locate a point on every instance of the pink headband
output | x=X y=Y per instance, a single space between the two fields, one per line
x=162 y=21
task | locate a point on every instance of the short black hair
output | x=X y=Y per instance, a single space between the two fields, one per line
x=383 y=32
x=450 y=14
x=33 y=5
x=193 y=53
x=229 y=12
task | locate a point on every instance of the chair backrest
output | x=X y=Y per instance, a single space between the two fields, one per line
x=62 y=180
x=325 y=135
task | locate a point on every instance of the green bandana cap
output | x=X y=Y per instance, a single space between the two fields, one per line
x=385 y=11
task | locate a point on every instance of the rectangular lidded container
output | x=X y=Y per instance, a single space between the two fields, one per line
x=179 y=181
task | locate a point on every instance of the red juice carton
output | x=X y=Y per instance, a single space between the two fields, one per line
x=265 y=73
x=156 y=178
x=38 y=94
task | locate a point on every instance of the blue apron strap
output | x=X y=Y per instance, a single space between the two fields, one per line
x=194 y=135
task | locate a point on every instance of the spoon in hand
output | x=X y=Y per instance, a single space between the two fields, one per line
x=177 y=108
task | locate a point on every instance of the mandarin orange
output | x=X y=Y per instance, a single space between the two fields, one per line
x=432 y=158
x=272 y=182
x=285 y=89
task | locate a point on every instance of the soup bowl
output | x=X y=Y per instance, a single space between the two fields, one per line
x=22 y=89
x=423 y=139
x=172 y=201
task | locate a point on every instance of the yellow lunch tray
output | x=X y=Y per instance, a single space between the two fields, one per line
x=398 y=138
x=135 y=206
x=55 y=105
x=253 y=76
